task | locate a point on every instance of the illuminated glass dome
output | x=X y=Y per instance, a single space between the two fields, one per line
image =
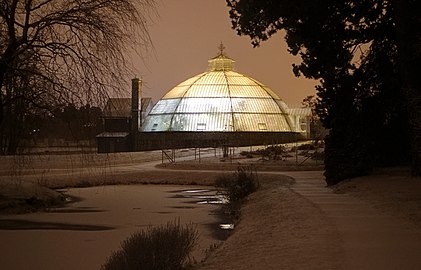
x=219 y=99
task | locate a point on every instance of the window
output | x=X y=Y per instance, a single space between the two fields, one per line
x=303 y=124
x=201 y=126
x=262 y=126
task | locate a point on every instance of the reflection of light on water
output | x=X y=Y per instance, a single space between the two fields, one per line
x=216 y=199
x=196 y=191
x=204 y=196
x=227 y=226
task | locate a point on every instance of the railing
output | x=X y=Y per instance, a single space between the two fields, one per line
x=169 y=156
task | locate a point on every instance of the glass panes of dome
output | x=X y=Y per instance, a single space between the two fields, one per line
x=165 y=106
x=260 y=122
x=247 y=91
x=239 y=80
x=233 y=74
x=204 y=105
x=273 y=94
x=157 y=123
x=198 y=90
x=191 y=80
x=177 y=92
x=254 y=105
x=276 y=122
x=202 y=122
x=216 y=77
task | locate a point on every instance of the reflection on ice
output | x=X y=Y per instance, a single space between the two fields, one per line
x=209 y=197
x=196 y=191
x=217 y=199
x=204 y=196
x=227 y=226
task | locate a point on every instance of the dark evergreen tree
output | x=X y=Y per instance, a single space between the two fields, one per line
x=351 y=48
x=408 y=25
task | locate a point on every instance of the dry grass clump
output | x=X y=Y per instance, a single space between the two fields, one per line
x=240 y=184
x=236 y=188
x=165 y=247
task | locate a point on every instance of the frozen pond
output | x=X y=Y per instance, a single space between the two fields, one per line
x=85 y=232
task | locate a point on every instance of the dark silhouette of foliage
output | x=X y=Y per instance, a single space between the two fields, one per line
x=354 y=49
x=240 y=184
x=317 y=131
x=76 y=123
x=408 y=36
x=65 y=124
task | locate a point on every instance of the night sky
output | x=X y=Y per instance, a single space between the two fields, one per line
x=187 y=33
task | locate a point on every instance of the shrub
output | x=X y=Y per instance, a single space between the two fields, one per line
x=306 y=147
x=247 y=154
x=165 y=247
x=239 y=185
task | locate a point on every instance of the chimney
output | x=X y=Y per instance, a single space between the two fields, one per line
x=136 y=104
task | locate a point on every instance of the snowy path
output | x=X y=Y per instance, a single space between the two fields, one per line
x=370 y=239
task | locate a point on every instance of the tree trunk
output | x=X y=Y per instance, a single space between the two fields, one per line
x=1 y=96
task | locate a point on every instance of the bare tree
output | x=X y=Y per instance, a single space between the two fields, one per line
x=67 y=51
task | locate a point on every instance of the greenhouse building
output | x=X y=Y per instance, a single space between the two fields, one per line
x=217 y=108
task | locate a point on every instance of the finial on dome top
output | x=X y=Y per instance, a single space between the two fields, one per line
x=221 y=48
x=221 y=62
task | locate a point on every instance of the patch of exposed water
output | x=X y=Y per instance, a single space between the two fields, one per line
x=207 y=196
x=202 y=196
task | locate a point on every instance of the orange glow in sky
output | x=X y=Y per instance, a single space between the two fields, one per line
x=187 y=33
